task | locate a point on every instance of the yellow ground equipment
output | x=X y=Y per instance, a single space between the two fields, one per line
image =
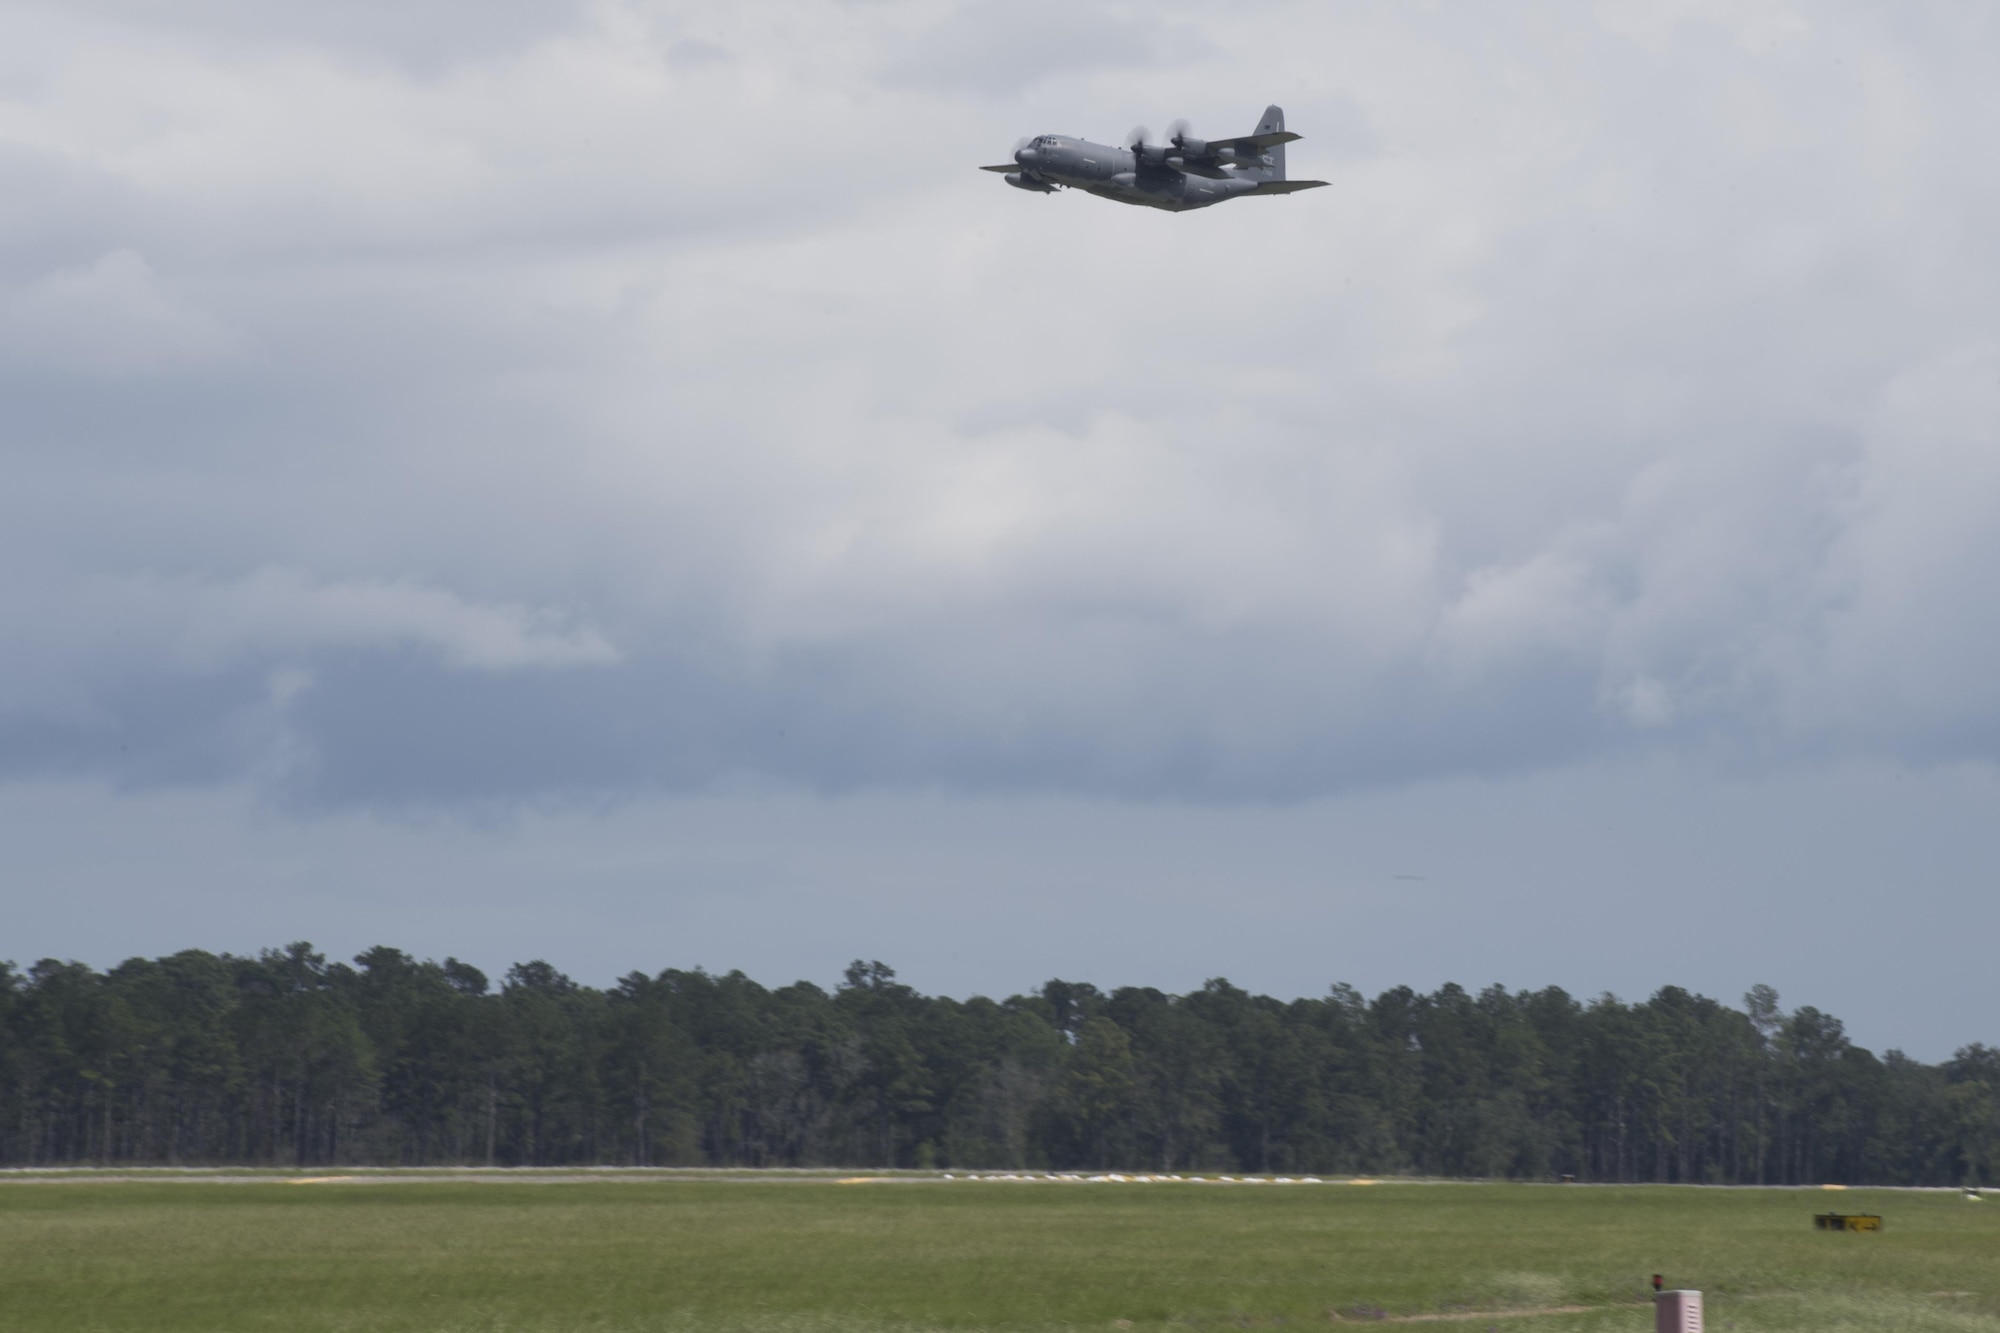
x=1847 y=1221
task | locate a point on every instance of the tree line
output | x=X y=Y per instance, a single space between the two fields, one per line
x=287 y=1058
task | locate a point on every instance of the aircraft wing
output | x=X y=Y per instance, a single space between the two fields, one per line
x=1286 y=187
x=1257 y=142
x=1011 y=166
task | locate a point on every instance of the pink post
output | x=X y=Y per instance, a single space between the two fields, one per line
x=1677 y=1312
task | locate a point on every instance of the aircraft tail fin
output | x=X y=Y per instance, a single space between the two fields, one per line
x=1259 y=156
x=1274 y=154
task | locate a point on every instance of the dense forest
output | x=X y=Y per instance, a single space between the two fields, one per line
x=287 y=1058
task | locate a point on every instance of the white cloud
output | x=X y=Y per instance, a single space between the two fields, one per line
x=114 y=632
x=282 y=610
x=1547 y=603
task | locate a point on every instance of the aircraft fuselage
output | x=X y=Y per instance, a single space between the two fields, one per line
x=1117 y=173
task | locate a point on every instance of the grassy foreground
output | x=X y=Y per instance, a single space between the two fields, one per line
x=790 y=1256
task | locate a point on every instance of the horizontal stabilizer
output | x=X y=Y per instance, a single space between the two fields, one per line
x=1286 y=187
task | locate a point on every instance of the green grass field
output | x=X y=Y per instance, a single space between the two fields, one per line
x=792 y=1255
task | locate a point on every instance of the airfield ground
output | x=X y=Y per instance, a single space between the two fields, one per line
x=603 y=1253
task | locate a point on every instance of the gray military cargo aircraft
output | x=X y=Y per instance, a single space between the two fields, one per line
x=1183 y=173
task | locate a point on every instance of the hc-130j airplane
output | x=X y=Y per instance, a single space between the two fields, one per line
x=1183 y=173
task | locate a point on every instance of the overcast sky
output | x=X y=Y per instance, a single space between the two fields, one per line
x=612 y=482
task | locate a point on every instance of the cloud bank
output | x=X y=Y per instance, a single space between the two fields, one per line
x=423 y=404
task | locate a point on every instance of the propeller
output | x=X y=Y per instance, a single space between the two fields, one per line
x=1145 y=154
x=1177 y=134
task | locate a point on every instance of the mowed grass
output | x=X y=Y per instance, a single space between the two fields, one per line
x=790 y=1256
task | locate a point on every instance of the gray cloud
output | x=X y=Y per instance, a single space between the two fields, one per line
x=398 y=420
x=1001 y=50
x=423 y=34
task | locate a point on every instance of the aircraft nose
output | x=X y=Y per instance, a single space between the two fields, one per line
x=1027 y=157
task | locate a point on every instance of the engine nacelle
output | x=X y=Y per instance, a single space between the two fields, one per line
x=1021 y=182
